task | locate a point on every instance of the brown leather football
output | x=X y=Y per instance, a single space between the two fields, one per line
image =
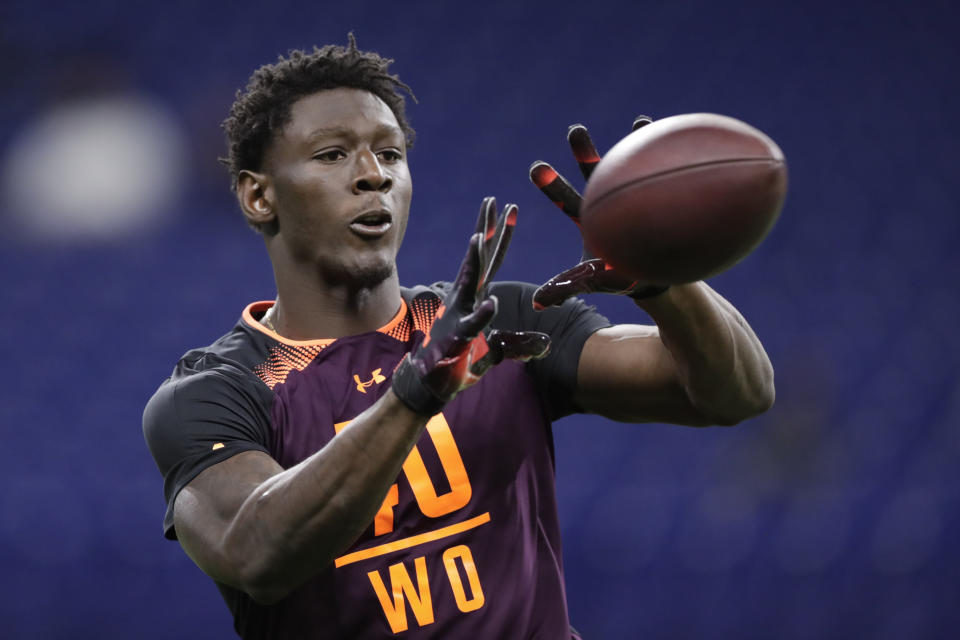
x=684 y=198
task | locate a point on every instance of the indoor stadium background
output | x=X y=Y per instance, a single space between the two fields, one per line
x=835 y=515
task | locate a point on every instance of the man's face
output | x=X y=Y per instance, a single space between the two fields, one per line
x=341 y=186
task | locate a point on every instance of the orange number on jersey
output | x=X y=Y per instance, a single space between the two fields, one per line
x=429 y=502
x=424 y=491
x=383 y=522
x=393 y=601
x=401 y=590
x=450 y=557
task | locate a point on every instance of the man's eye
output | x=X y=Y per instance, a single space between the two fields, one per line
x=390 y=155
x=330 y=156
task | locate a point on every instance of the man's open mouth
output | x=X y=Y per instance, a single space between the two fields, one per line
x=372 y=224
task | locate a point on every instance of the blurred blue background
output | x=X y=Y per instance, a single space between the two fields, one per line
x=834 y=515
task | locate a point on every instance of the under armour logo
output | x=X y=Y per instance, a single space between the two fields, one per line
x=362 y=386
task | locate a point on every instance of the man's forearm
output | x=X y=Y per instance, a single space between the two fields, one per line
x=722 y=365
x=296 y=522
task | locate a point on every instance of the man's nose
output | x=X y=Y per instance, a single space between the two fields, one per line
x=370 y=175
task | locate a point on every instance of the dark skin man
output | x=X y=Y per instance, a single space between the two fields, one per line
x=336 y=180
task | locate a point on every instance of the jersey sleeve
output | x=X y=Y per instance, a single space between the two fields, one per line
x=205 y=413
x=568 y=325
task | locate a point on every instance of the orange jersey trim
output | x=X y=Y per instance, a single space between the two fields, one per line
x=263 y=306
x=412 y=541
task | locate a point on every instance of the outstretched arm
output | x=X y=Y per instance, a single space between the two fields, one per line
x=701 y=364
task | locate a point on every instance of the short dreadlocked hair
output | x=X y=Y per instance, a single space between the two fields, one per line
x=260 y=112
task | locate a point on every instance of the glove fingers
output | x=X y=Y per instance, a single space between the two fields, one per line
x=513 y=345
x=464 y=292
x=557 y=188
x=574 y=281
x=519 y=345
x=608 y=280
x=486 y=223
x=583 y=149
x=640 y=122
x=472 y=324
x=502 y=234
x=591 y=276
x=445 y=364
x=487 y=208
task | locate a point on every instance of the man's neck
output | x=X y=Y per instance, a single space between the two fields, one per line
x=312 y=311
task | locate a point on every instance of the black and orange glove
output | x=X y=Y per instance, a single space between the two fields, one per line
x=591 y=274
x=456 y=352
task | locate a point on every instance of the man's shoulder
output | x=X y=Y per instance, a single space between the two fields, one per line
x=232 y=356
x=209 y=380
x=238 y=347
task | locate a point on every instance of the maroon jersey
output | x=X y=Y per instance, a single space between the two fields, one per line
x=466 y=543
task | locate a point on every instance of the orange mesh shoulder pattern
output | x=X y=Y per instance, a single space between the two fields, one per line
x=423 y=310
x=401 y=330
x=290 y=355
x=283 y=359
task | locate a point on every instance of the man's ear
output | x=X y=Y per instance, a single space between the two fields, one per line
x=256 y=198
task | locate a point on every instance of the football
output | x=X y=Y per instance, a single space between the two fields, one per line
x=683 y=198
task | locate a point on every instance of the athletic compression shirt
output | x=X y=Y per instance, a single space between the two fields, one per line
x=466 y=543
